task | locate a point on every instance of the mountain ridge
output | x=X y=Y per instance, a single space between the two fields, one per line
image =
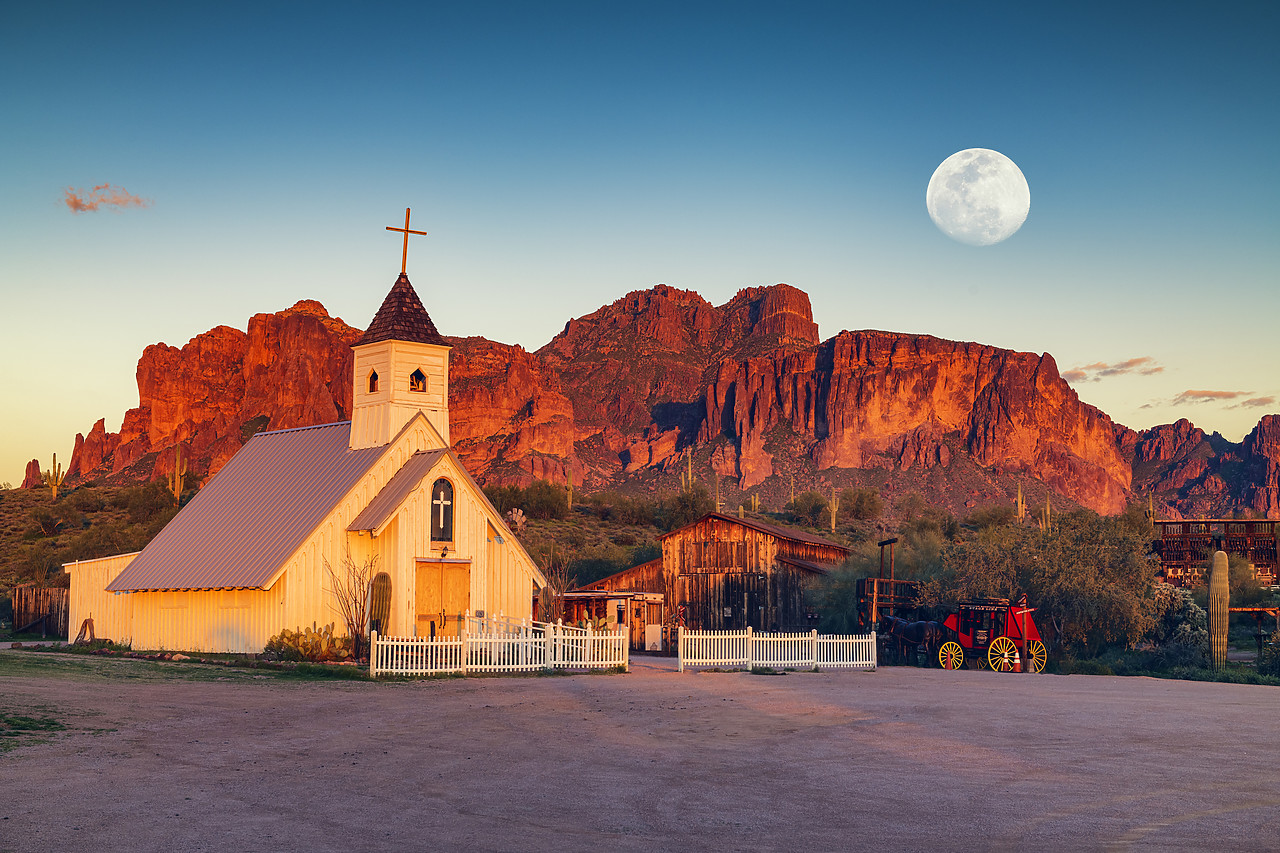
x=745 y=392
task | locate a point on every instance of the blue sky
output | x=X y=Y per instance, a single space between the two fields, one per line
x=561 y=155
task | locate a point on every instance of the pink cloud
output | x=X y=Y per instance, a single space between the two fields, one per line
x=1207 y=396
x=116 y=198
x=1142 y=365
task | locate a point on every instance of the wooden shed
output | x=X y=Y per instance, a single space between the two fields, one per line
x=722 y=572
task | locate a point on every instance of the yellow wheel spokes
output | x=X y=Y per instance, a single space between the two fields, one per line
x=951 y=656
x=1037 y=654
x=1002 y=654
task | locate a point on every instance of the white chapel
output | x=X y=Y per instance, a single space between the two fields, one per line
x=250 y=554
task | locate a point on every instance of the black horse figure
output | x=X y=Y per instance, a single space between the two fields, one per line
x=910 y=636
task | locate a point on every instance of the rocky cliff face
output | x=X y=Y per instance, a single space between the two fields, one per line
x=746 y=389
x=879 y=399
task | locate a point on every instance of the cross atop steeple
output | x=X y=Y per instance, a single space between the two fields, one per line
x=404 y=256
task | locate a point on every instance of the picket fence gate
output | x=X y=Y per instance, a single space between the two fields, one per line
x=748 y=649
x=523 y=648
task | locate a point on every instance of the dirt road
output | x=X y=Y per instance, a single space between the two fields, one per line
x=899 y=759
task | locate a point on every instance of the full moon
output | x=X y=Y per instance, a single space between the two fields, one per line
x=978 y=196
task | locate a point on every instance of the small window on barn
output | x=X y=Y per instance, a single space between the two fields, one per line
x=373 y=382
x=417 y=381
x=442 y=511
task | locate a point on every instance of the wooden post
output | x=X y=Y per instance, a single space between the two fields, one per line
x=373 y=655
x=626 y=648
x=814 y=647
x=751 y=649
x=462 y=635
x=679 y=648
x=548 y=640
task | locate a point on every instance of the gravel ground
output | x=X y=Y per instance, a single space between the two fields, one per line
x=898 y=759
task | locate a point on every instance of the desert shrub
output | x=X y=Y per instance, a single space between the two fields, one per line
x=308 y=644
x=505 y=498
x=861 y=504
x=684 y=507
x=146 y=502
x=990 y=516
x=543 y=499
x=611 y=506
x=86 y=500
x=47 y=522
x=1179 y=627
x=807 y=508
x=1269 y=660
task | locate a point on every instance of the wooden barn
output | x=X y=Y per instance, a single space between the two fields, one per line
x=255 y=550
x=723 y=572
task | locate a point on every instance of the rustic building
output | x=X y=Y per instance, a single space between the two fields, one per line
x=252 y=553
x=722 y=572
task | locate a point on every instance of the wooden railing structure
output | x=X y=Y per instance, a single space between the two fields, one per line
x=523 y=648
x=748 y=649
x=1184 y=547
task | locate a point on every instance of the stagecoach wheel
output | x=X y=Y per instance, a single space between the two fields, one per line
x=1036 y=652
x=951 y=656
x=1002 y=654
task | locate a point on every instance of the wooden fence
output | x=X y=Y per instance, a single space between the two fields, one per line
x=748 y=649
x=526 y=649
x=43 y=609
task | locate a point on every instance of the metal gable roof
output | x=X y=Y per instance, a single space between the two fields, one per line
x=238 y=531
x=393 y=494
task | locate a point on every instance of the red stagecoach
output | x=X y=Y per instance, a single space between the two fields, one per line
x=990 y=631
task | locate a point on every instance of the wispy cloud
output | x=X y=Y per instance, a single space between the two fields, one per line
x=1187 y=397
x=1142 y=366
x=1238 y=399
x=103 y=195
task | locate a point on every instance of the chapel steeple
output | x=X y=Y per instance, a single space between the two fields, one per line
x=401 y=367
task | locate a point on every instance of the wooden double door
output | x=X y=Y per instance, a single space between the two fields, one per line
x=443 y=597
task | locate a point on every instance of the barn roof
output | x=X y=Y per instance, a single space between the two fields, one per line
x=763 y=527
x=388 y=500
x=817 y=568
x=238 y=531
x=402 y=318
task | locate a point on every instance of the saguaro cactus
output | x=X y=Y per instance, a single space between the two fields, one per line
x=1020 y=508
x=1046 y=516
x=53 y=477
x=178 y=476
x=1219 y=609
x=834 y=506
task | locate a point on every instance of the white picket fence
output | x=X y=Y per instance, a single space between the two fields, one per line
x=748 y=649
x=524 y=648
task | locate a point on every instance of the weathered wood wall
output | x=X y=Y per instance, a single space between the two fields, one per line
x=32 y=602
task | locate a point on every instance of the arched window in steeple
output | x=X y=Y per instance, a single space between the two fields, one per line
x=442 y=511
x=417 y=381
x=373 y=382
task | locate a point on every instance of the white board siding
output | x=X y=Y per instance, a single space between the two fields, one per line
x=235 y=620
x=111 y=612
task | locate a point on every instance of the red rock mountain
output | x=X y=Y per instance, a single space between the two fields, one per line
x=747 y=390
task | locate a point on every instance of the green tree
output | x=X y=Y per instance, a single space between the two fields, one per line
x=1089 y=577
